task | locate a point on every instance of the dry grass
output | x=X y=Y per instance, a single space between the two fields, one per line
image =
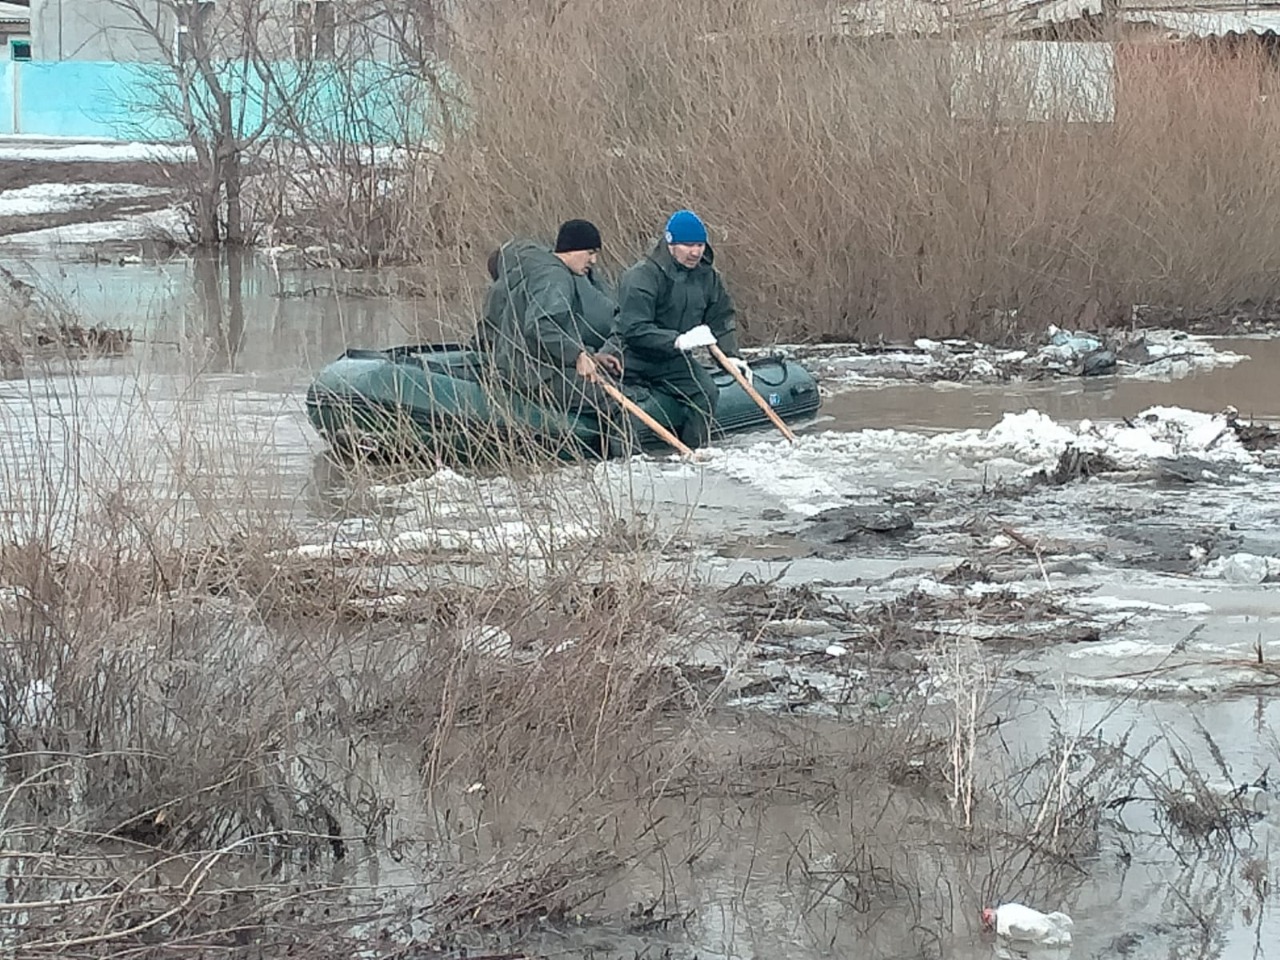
x=488 y=705
x=844 y=200
x=227 y=716
x=179 y=677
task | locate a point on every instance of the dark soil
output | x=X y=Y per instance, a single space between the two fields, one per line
x=1257 y=436
x=24 y=173
x=15 y=174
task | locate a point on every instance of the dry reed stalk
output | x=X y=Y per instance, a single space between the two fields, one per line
x=844 y=200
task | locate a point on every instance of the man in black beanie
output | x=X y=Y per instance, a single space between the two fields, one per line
x=557 y=328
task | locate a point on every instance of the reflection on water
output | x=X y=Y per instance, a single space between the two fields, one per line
x=815 y=861
x=261 y=318
x=253 y=314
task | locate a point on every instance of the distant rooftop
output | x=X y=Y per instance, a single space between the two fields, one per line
x=1201 y=18
x=14 y=13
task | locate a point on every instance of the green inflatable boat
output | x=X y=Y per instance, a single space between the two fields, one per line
x=430 y=400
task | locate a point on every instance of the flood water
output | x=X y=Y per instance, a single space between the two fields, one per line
x=732 y=869
x=1250 y=387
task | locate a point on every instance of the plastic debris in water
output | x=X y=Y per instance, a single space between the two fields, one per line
x=1014 y=921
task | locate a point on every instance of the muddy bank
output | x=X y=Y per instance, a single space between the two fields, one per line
x=39 y=196
x=18 y=173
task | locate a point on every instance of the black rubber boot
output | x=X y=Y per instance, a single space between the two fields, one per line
x=695 y=431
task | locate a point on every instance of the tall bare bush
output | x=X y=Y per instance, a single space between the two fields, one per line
x=845 y=199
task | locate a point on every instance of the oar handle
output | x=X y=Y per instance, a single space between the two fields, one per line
x=752 y=392
x=630 y=406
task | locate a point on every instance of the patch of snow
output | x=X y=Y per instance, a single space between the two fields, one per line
x=1178 y=683
x=33 y=707
x=1120 y=649
x=100 y=151
x=45 y=198
x=512 y=536
x=140 y=226
x=1169 y=355
x=800 y=627
x=822 y=470
x=1243 y=568
x=487 y=640
x=1119 y=604
x=932 y=588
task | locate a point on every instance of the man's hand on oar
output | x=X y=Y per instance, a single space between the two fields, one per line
x=610 y=363
x=586 y=367
x=744 y=368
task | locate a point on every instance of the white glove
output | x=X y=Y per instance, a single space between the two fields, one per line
x=744 y=368
x=699 y=336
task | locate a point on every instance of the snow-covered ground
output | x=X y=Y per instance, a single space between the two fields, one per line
x=47 y=198
x=1142 y=355
x=91 y=150
x=51 y=150
x=822 y=470
x=139 y=226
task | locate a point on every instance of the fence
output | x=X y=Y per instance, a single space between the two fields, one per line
x=366 y=102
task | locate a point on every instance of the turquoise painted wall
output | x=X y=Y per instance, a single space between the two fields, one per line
x=128 y=101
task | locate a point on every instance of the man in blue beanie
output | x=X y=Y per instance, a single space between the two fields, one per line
x=670 y=302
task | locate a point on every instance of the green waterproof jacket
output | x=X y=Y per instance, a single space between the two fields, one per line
x=489 y=329
x=659 y=299
x=549 y=315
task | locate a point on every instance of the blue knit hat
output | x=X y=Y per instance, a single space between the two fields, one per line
x=685 y=227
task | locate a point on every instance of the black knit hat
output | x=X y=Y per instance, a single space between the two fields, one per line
x=577 y=235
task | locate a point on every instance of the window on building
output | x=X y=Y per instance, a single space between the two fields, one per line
x=193 y=24
x=20 y=49
x=315 y=30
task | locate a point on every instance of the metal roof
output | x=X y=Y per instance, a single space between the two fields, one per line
x=1209 y=23
x=1197 y=18
x=12 y=13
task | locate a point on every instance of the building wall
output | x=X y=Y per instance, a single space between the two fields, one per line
x=146 y=30
x=98 y=29
x=367 y=102
x=10 y=31
x=69 y=99
x=1037 y=80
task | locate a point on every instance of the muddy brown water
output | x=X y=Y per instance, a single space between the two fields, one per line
x=1249 y=386
x=730 y=870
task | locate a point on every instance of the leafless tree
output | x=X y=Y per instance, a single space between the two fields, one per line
x=317 y=92
x=206 y=81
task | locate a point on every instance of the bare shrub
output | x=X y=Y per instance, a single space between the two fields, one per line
x=845 y=199
x=186 y=666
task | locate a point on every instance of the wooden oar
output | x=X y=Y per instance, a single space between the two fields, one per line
x=752 y=393
x=629 y=405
